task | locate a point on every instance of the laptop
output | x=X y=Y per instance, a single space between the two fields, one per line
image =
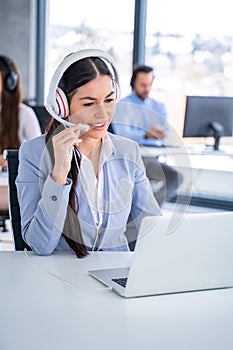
x=196 y=255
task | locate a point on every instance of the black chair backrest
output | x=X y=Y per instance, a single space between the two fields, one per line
x=110 y=128
x=11 y=155
x=43 y=116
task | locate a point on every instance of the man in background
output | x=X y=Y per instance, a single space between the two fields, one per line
x=144 y=120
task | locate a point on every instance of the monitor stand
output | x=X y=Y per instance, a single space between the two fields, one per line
x=218 y=131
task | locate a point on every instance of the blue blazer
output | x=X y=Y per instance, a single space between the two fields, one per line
x=43 y=202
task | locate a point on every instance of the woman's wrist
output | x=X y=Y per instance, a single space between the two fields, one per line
x=59 y=178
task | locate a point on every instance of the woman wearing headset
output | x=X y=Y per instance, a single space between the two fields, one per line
x=78 y=184
x=18 y=122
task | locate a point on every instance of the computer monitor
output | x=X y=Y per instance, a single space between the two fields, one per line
x=207 y=116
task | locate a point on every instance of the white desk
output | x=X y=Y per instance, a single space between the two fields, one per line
x=3 y=178
x=52 y=303
x=205 y=174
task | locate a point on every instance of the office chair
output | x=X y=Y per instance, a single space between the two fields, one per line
x=4 y=212
x=11 y=157
x=43 y=116
x=4 y=215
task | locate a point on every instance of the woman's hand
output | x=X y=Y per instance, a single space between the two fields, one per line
x=155 y=132
x=63 y=144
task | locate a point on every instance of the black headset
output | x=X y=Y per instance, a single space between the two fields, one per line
x=138 y=69
x=12 y=78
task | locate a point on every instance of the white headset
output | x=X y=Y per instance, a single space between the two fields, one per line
x=57 y=104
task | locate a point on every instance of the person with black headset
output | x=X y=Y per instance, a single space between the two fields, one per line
x=78 y=184
x=144 y=120
x=18 y=122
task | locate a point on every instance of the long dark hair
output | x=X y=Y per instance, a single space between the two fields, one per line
x=9 y=111
x=77 y=75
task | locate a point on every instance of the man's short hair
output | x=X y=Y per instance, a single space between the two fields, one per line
x=139 y=69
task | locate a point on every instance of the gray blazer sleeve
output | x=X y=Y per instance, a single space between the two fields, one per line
x=43 y=203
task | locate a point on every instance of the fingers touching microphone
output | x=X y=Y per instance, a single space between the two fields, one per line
x=63 y=144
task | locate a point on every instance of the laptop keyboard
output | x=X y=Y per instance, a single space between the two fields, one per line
x=121 y=281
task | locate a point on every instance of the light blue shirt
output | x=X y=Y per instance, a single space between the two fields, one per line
x=133 y=117
x=43 y=202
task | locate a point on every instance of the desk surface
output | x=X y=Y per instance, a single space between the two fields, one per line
x=215 y=161
x=3 y=178
x=52 y=303
x=205 y=174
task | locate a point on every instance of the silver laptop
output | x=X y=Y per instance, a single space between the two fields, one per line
x=196 y=255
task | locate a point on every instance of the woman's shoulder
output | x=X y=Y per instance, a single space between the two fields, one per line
x=34 y=158
x=123 y=145
x=27 y=115
x=34 y=146
x=23 y=108
x=35 y=142
x=119 y=138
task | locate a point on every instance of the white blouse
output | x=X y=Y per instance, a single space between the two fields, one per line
x=94 y=187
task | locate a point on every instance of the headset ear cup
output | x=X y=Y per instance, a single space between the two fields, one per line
x=61 y=105
x=11 y=79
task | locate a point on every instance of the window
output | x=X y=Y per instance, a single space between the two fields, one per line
x=190 y=44
x=74 y=25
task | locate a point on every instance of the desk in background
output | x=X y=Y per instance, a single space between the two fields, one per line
x=207 y=175
x=51 y=302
